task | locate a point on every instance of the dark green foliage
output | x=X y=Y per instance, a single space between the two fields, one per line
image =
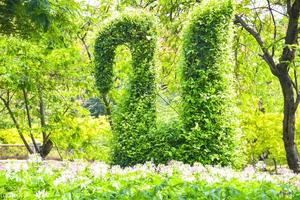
x=19 y=15
x=50 y=22
x=135 y=116
x=167 y=139
x=205 y=86
x=95 y=106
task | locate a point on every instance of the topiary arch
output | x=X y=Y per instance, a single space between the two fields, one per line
x=207 y=131
x=135 y=116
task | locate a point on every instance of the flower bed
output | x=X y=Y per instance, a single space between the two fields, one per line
x=35 y=179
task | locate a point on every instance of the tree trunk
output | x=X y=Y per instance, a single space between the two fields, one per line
x=289 y=88
x=290 y=146
x=46 y=148
x=47 y=143
x=11 y=114
x=29 y=119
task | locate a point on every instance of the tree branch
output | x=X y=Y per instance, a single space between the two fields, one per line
x=257 y=15
x=275 y=27
x=42 y=113
x=11 y=114
x=288 y=6
x=291 y=38
x=29 y=119
x=266 y=55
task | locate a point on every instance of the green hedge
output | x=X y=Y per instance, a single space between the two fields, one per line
x=135 y=115
x=205 y=87
x=205 y=132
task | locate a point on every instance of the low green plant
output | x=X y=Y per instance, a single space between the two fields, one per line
x=262 y=137
x=82 y=180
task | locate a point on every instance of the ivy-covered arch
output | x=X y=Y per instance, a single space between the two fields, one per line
x=205 y=87
x=207 y=134
x=135 y=116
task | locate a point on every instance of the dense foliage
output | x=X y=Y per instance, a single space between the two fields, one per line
x=135 y=115
x=82 y=138
x=206 y=65
x=208 y=135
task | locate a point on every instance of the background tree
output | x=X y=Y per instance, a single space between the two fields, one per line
x=39 y=70
x=280 y=66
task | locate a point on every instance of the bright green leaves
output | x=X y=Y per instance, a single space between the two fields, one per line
x=205 y=88
x=139 y=34
x=207 y=133
x=135 y=115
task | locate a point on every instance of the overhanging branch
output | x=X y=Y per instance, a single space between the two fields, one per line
x=266 y=55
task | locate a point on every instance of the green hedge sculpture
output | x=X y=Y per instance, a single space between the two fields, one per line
x=135 y=116
x=205 y=87
x=205 y=133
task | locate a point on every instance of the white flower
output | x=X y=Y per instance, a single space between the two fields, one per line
x=66 y=176
x=85 y=182
x=99 y=169
x=116 y=169
x=45 y=170
x=11 y=195
x=35 y=158
x=42 y=194
x=261 y=165
x=116 y=185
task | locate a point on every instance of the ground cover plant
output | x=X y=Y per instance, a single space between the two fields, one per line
x=36 y=179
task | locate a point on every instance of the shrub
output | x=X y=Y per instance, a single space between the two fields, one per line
x=262 y=138
x=87 y=138
x=134 y=117
x=205 y=87
x=11 y=136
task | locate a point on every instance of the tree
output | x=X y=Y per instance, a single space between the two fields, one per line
x=37 y=34
x=280 y=66
x=36 y=88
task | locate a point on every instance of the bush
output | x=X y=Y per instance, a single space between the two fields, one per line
x=205 y=86
x=167 y=138
x=134 y=117
x=262 y=137
x=76 y=138
x=11 y=136
x=87 y=138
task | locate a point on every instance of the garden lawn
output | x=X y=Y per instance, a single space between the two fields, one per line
x=36 y=179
